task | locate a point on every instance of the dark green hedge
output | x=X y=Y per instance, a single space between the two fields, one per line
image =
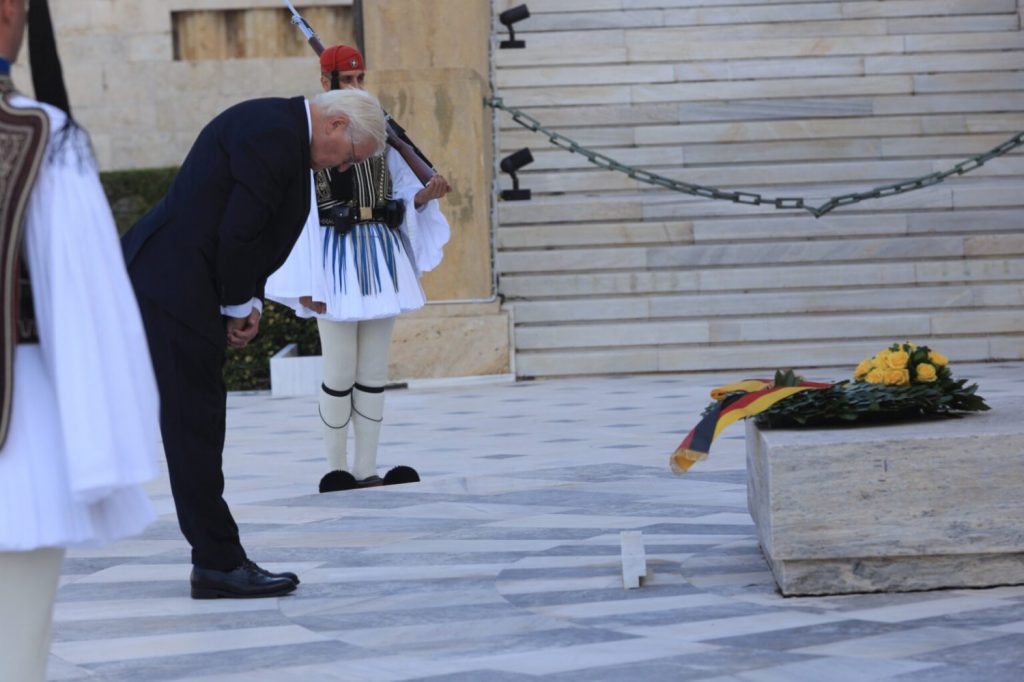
x=131 y=194
x=249 y=368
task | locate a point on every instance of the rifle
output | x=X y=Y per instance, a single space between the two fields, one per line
x=416 y=162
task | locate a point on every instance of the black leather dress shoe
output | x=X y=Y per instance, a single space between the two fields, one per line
x=248 y=580
x=284 y=574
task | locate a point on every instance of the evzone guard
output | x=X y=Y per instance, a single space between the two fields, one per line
x=377 y=226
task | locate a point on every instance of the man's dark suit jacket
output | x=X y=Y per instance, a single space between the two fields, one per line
x=230 y=218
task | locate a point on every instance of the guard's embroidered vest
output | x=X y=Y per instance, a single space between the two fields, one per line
x=366 y=184
x=23 y=137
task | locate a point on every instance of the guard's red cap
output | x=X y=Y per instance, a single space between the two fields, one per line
x=341 y=58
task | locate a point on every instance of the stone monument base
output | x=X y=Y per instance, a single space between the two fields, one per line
x=910 y=506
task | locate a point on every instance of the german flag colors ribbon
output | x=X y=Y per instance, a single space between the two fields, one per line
x=735 y=401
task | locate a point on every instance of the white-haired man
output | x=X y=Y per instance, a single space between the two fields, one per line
x=199 y=260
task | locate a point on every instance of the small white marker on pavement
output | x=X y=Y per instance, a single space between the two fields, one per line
x=634 y=559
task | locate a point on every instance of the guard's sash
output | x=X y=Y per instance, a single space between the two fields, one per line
x=23 y=136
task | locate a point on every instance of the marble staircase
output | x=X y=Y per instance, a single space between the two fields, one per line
x=604 y=274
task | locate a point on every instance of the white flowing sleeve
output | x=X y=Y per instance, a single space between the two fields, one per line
x=300 y=275
x=92 y=339
x=425 y=230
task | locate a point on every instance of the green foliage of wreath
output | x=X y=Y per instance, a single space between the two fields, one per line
x=850 y=402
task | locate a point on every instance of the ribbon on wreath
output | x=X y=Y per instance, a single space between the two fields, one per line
x=735 y=401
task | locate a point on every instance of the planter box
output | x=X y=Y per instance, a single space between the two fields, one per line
x=292 y=374
x=439 y=341
x=891 y=508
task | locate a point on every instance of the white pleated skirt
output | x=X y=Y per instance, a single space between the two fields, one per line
x=365 y=274
x=36 y=505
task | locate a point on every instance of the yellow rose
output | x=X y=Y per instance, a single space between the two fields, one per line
x=875 y=376
x=938 y=358
x=863 y=368
x=925 y=373
x=897 y=359
x=881 y=358
x=897 y=377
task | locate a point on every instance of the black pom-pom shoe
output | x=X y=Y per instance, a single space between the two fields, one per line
x=401 y=474
x=337 y=480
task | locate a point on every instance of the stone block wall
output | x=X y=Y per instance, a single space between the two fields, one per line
x=141 y=105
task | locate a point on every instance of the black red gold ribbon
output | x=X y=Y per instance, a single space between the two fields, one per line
x=735 y=401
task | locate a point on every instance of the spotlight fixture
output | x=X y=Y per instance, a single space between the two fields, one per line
x=510 y=164
x=509 y=17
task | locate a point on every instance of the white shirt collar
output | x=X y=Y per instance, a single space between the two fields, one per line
x=309 y=120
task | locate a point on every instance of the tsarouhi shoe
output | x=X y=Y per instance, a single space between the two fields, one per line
x=401 y=474
x=370 y=482
x=337 y=480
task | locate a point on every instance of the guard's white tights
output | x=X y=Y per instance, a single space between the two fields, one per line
x=28 y=585
x=355 y=356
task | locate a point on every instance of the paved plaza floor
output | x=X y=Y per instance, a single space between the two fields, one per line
x=503 y=565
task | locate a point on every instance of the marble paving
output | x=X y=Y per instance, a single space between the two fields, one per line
x=504 y=564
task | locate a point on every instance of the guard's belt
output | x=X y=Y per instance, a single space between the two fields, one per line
x=342 y=218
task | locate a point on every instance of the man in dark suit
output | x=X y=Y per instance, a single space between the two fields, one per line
x=198 y=261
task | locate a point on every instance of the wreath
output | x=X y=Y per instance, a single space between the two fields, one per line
x=901 y=382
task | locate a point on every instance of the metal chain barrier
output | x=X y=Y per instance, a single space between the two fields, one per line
x=752 y=198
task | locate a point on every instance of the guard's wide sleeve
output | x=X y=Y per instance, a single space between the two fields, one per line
x=91 y=332
x=426 y=231
x=302 y=273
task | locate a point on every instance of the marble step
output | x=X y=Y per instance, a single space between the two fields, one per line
x=788 y=58
x=655 y=143
x=820 y=128
x=755 y=229
x=982 y=270
x=684 y=122
x=701 y=306
x=844 y=353
x=759 y=177
x=960 y=193
x=761 y=13
x=927 y=84
x=928 y=104
x=908 y=323
x=768 y=88
x=554 y=6
x=924 y=34
x=777 y=253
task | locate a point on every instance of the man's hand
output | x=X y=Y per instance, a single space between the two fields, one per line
x=316 y=306
x=435 y=189
x=242 y=330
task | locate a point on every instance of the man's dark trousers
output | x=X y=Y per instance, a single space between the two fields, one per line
x=193 y=408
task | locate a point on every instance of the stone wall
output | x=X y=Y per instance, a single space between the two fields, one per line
x=431 y=63
x=143 y=107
